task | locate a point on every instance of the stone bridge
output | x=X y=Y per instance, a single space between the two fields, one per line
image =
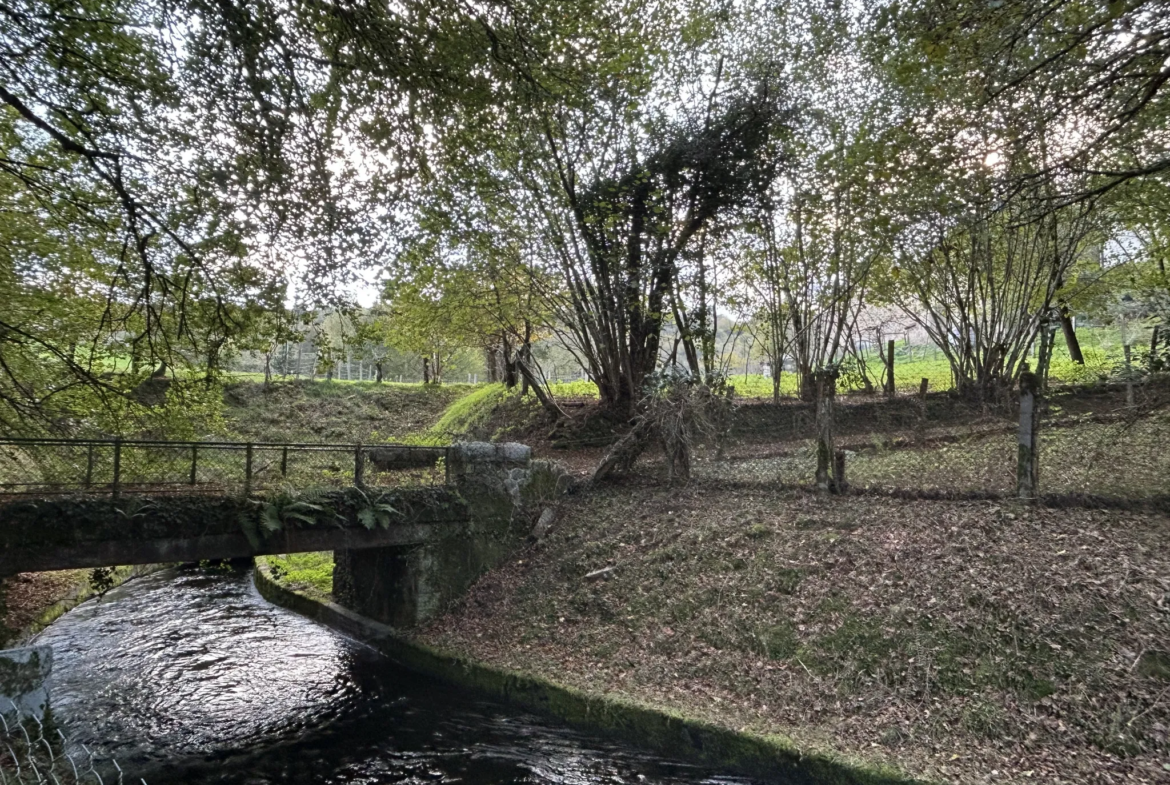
x=401 y=553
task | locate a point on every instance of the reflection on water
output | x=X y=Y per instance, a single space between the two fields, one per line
x=191 y=677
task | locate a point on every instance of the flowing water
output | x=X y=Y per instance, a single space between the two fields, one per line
x=192 y=677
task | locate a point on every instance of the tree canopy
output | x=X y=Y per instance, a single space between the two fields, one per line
x=177 y=179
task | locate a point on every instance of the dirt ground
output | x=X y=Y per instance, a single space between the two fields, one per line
x=25 y=598
x=960 y=641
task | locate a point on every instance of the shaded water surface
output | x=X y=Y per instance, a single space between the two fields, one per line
x=191 y=677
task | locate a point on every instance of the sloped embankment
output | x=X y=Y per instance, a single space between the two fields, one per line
x=963 y=642
x=303 y=411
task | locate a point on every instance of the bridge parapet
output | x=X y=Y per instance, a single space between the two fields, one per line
x=36 y=468
x=402 y=552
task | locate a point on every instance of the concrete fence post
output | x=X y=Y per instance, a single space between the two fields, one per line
x=1027 y=466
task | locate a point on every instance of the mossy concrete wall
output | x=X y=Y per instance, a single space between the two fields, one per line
x=70 y=533
x=499 y=488
x=771 y=758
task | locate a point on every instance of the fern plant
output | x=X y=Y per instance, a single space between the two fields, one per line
x=374 y=513
x=310 y=507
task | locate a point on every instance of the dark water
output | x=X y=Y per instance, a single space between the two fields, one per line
x=191 y=677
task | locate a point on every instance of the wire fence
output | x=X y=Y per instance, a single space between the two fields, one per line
x=34 y=753
x=41 y=467
x=1110 y=443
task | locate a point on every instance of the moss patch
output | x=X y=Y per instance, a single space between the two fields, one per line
x=308 y=573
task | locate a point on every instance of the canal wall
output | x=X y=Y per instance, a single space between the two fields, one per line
x=772 y=758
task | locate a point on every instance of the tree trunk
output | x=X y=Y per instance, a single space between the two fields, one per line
x=890 y=368
x=426 y=370
x=1045 y=358
x=489 y=359
x=1070 y=336
x=546 y=400
x=526 y=357
x=510 y=379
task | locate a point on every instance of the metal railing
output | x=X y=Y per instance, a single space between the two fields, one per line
x=43 y=467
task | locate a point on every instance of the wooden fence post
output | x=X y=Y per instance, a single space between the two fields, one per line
x=890 y=368
x=284 y=461
x=248 y=470
x=194 y=463
x=116 y=487
x=923 y=387
x=825 y=383
x=840 y=485
x=359 y=467
x=1027 y=466
x=89 y=466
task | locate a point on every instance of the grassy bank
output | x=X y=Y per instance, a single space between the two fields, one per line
x=304 y=411
x=965 y=642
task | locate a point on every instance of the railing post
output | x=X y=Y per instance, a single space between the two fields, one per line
x=359 y=466
x=89 y=466
x=115 y=488
x=248 y=469
x=284 y=461
x=194 y=461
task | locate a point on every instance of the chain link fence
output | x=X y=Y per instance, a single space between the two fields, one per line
x=42 y=467
x=1106 y=441
x=34 y=753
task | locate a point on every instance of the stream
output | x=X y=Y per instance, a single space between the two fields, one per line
x=189 y=676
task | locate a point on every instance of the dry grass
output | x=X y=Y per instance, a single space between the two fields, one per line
x=965 y=642
x=1125 y=458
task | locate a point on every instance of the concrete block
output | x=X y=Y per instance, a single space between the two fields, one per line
x=24 y=676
